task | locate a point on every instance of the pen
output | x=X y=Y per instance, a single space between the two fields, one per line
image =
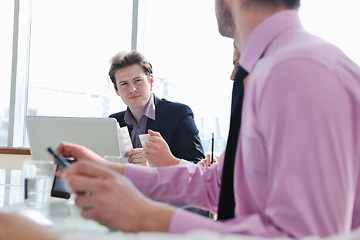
x=212 y=148
x=61 y=160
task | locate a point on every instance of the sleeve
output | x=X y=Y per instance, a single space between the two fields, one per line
x=186 y=140
x=184 y=184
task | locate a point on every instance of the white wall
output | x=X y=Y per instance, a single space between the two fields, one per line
x=12 y=161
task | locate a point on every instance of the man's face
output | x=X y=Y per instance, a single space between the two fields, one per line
x=224 y=19
x=134 y=86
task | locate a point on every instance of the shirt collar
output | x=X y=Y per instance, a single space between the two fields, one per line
x=260 y=38
x=149 y=112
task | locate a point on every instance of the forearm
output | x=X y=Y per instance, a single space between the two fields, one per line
x=119 y=168
x=157 y=218
x=193 y=185
x=169 y=161
x=174 y=161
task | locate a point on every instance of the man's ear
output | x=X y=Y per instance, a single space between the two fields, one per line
x=151 y=81
x=117 y=92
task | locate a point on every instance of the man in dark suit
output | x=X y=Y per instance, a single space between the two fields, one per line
x=131 y=74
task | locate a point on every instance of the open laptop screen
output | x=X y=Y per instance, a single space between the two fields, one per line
x=98 y=134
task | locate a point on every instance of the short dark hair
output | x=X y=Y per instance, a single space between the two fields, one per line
x=125 y=59
x=291 y=3
x=276 y=3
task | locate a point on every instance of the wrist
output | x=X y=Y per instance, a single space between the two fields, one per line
x=117 y=167
x=169 y=161
x=157 y=217
x=176 y=161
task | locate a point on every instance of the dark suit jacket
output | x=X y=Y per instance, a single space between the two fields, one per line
x=175 y=122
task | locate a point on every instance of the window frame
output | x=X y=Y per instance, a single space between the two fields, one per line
x=20 y=69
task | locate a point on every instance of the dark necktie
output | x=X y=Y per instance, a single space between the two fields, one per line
x=226 y=204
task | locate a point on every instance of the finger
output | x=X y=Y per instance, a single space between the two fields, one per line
x=152 y=139
x=59 y=172
x=148 y=152
x=83 y=185
x=138 y=160
x=88 y=213
x=207 y=160
x=86 y=186
x=138 y=150
x=152 y=144
x=89 y=169
x=153 y=133
x=133 y=158
x=85 y=201
x=133 y=151
x=201 y=163
x=87 y=205
x=141 y=163
x=137 y=155
x=129 y=153
x=93 y=214
x=68 y=149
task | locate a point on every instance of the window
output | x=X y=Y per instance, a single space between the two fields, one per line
x=64 y=49
x=6 y=31
x=72 y=43
x=192 y=62
x=335 y=21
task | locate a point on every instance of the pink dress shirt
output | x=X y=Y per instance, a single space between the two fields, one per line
x=297 y=163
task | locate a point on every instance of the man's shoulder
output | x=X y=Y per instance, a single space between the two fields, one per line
x=118 y=115
x=173 y=106
x=307 y=48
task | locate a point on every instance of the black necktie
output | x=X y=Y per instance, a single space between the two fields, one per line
x=226 y=204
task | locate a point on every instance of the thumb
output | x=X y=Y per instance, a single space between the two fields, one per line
x=153 y=133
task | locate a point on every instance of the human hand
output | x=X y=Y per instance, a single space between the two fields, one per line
x=13 y=226
x=81 y=153
x=157 y=151
x=206 y=162
x=112 y=200
x=137 y=156
x=78 y=152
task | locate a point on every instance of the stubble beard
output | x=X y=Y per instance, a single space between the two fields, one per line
x=225 y=20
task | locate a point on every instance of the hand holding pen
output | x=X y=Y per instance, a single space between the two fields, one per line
x=209 y=159
x=212 y=148
x=206 y=162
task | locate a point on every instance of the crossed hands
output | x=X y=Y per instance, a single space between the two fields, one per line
x=155 y=153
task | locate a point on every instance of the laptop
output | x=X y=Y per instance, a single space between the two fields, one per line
x=98 y=134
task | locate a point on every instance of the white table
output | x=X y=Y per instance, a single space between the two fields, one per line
x=67 y=220
x=62 y=212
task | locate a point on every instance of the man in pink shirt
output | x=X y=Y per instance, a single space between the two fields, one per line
x=297 y=165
